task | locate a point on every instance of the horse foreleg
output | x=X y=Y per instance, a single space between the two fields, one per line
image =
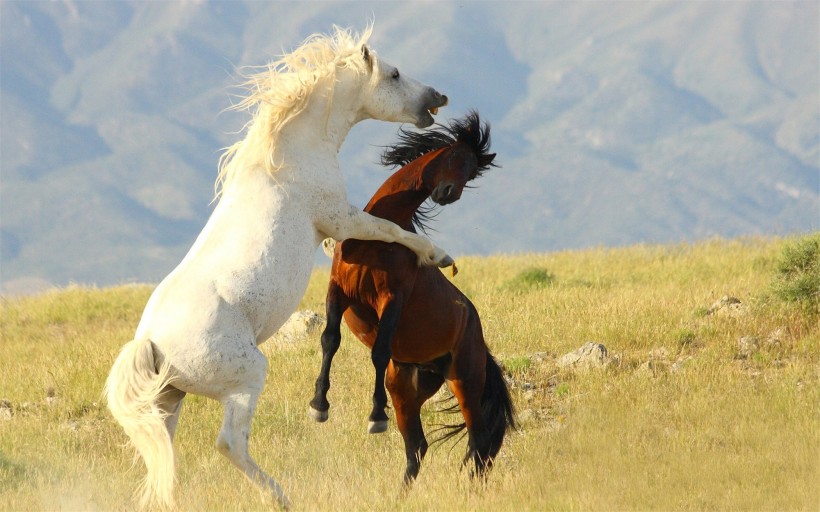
x=363 y=226
x=331 y=338
x=409 y=389
x=380 y=356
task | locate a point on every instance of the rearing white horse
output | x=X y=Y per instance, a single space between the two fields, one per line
x=280 y=194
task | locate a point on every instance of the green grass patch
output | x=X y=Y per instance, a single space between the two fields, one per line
x=531 y=279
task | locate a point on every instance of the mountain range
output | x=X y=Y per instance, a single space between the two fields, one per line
x=614 y=122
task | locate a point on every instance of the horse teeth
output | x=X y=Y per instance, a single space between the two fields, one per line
x=434 y=110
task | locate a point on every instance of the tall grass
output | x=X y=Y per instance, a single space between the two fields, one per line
x=680 y=418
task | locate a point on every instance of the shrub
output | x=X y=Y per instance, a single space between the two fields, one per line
x=531 y=278
x=685 y=337
x=798 y=272
x=517 y=365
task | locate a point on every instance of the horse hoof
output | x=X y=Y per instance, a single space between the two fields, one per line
x=318 y=416
x=376 y=427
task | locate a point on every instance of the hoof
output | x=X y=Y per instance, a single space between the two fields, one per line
x=376 y=427
x=447 y=261
x=318 y=416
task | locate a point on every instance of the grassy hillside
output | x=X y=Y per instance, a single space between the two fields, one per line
x=683 y=415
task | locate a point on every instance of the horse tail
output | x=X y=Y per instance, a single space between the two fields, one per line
x=132 y=389
x=496 y=405
x=497 y=410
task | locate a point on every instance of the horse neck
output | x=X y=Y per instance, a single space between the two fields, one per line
x=317 y=131
x=332 y=110
x=402 y=194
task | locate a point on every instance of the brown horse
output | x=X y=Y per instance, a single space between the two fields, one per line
x=421 y=329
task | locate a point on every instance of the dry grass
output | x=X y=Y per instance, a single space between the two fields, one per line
x=681 y=417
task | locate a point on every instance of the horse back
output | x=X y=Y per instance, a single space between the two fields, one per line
x=371 y=272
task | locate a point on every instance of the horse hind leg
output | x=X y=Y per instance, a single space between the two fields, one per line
x=170 y=403
x=409 y=388
x=232 y=442
x=380 y=356
x=468 y=386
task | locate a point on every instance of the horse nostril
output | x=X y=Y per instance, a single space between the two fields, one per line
x=448 y=191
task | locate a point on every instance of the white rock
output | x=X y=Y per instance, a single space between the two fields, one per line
x=300 y=325
x=590 y=355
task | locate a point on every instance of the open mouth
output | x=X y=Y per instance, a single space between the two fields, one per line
x=424 y=118
x=444 y=101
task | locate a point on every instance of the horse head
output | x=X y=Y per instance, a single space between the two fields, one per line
x=448 y=156
x=392 y=96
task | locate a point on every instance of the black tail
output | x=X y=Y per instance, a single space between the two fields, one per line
x=498 y=412
x=496 y=405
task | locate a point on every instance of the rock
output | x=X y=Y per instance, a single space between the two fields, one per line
x=5 y=410
x=680 y=364
x=590 y=355
x=748 y=346
x=657 y=363
x=300 y=325
x=659 y=354
x=774 y=339
x=328 y=246
x=540 y=357
x=727 y=306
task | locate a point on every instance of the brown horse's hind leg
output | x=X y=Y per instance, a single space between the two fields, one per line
x=467 y=384
x=331 y=338
x=380 y=355
x=409 y=388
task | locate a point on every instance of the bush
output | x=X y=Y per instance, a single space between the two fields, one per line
x=798 y=272
x=531 y=278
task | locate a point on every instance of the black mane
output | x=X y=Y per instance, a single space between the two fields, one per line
x=469 y=130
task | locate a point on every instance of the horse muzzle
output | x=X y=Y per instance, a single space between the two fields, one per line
x=433 y=101
x=445 y=193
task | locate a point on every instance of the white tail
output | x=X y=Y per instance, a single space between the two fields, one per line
x=132 y=389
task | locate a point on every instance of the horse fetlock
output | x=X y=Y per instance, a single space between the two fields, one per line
x=223 y=445
x=376 y=427
x=280 y=497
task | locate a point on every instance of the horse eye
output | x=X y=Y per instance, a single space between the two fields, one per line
x=395 y=74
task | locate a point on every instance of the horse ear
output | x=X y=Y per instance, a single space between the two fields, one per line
x=486 y=160
x=366 y=56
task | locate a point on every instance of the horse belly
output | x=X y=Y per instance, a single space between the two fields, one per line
x=363 y=323
x=268 y=289
x=287 y=279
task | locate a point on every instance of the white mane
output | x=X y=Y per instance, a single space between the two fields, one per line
x=279 y=91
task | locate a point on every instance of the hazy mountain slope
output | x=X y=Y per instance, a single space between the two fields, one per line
x=614 y=122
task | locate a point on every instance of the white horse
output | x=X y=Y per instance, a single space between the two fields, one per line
x=280 y=194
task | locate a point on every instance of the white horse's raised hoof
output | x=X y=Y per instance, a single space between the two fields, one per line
x=280 y=193
x=376 y=427
x=318 y=416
